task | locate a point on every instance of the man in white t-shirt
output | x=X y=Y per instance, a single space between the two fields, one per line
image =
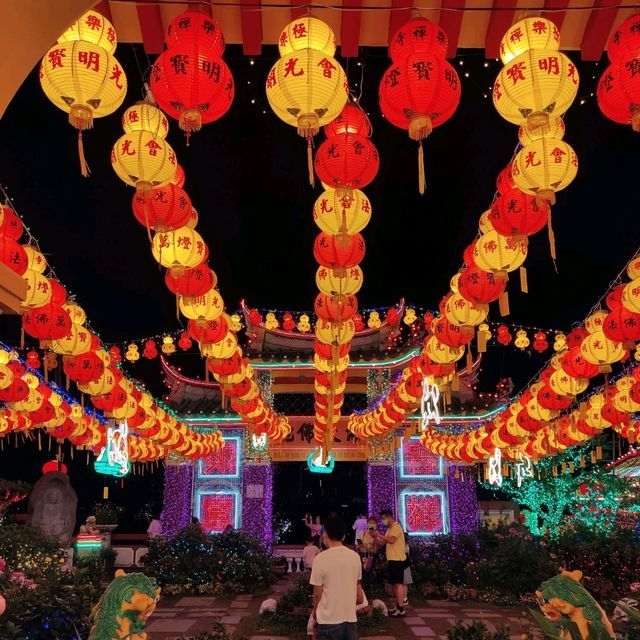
x=335 y=576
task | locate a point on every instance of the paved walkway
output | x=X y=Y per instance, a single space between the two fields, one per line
x=176 y=618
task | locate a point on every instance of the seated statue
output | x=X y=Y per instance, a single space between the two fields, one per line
x=89 y=526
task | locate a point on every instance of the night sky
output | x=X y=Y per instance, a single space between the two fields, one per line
x=246 y=175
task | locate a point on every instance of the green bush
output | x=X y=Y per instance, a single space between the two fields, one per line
x=195 y=562
x=30 y=551
x=475 y=631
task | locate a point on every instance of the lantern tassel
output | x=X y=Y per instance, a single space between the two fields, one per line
x=177 y=307
x=524 y=285
x=84 y=167
x=552 y=240
x=635 y=121
x=503 y=304
x=312 y=177
x=146 y=217
x=421 y=176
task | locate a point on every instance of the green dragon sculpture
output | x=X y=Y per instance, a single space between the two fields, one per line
x=563 y=599
x=124 y=608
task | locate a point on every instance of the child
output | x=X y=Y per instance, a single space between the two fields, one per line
x=309 y=553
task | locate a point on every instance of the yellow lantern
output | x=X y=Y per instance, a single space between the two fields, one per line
x=485 y=224
x=127 y=410
x=535 y=85
x=31 y=380
x=633 y=268
x=84 y=80
x=527 y=34
x=622 y=401
x=560 y=342
x=178 y=250
x=597 y=400
x=409 y=316
x=453 y=283
x=77 y=342
x=499 y=254
x=307 y=33
x=307 y=89
x=631 y=296
x=596 y=348
x=92 y=27
x=235 y=322
x=104 y=384
x=270 y=321
x=522 y=340
x=565 y=385
x=38 y=289
x=462 y=313
x=595 y=419
x=374 y=321
x=76 y=312
x=132 y=354
x=327 y=365
x=335 y=332
x=35 y=260
x=143 y=160
x=545 y=167
x=203 y=308
x=348 y=283
x=6 y=376
x=538 y=412
x=442 y=353
x=554 y=130
x=595 y=321
x=144 y=116
x=32 y=402
x=168 y=347
x=337 y=212
x=304 y=324
x=223 y=349
x=55 y=399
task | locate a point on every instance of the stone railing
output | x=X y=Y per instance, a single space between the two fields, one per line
x=293 y=556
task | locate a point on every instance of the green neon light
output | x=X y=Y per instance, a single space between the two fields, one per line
x=372 y=364
x=451 y=418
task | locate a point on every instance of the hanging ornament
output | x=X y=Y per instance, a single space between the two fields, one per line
x=132 y=354
x=409 y=316
x=504 y=335
x=116 y=356
x=288 y=323
x=304 y=325
x=236 y=322
x=374 y=321
x=271 y=322
x=33 y=360
x=522 y=341
x=168 y=347
x=540 y=343
x=559 y=342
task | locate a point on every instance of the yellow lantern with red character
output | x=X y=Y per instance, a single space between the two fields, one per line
x=92 y=27
x=202 y=308
x=496 y=253
x=598 y=349
x=337 y=212
x=38 y=289
x=179 y=249
x=346 y=282
x=531 y=33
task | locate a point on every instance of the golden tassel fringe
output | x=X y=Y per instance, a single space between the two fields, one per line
x=84 y=167
x=421 y=177
x=312 y=176
x=552 y=239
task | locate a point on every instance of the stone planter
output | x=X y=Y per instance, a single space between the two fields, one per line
x=105 y=531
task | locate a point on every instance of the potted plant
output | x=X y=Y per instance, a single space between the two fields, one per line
x=279 y=565
x=107 y=515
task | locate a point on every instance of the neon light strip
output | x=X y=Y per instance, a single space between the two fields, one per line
x=443 y=511
x=226 y=492
x=415 y=476
x=236 y=474
x=377 y=364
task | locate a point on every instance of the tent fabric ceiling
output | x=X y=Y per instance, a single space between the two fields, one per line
x=470 y=24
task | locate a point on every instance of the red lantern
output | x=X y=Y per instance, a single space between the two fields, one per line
x=226 y=366
x=163 y=208
x=116 y=356
x=614 y=297
x=419 y=35
x=211 y=332
x=505 y=181
x=58 y=292
x=504 y=335
x=184 y=342
x=348 y=160
x=427 y=319
x=622 y=325
x=192 y=85
x=452 y=334
x=13 y=255
x=150 y=350
x=87 y=367
x=114 y=399
x=335 y=308
x=576 y=336
x=326 y=350
x=351 y=119
x=18 y=390
x=32 y=360
x=516 y=213
x=618 y=93
x=574 y=364
x=288 y=323
x=540 y=343
x=549 y=399
x=392 y=317
x=467 y=255
x=359 y=322
x=193 y=282
x=10 y=224
x=338 y=253
x=526 y=422
x=426 y=367
x=480 y=287
x=49 y=322
x=612 y=415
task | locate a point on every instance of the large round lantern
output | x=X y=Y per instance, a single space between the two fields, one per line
x=338 y=253
x=516 y=213
x=307 y=89
x=535 y=85
x=94 y=28
x=47 y=322
x=630 y=295
x=213 y=331
x=163 y=208
x=499 y=254
x=598 y=349
x=479 y=286
x=566 y=385
x=419 y=93
x=527 y=34
x=77 y=341
x=307 y=33
x=143 y=160
x=418 y=35
x=352 y=119
x=453 y=335
x=38 y=289
x=545 y=167
x=461 y=312
x=84 y=368
x=337 y=212
x=223 y=349
x=10 y=223
x=192 y=282
x=192 y=85
x=35 y=259
x=202 y=308
x=179 y=250
x=624 y=43
x=335 y=332
x=442 y=353
x=13 y=255
x=622 y=325
x=574 y=364
x=347 y=160
x=338 y=281
x=335 y=308
x=143 y=116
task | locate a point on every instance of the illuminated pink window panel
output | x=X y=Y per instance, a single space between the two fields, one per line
x=423 y=513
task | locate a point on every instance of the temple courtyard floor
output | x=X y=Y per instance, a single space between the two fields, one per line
x=186 y=617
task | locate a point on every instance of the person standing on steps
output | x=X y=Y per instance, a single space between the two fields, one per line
x=396 y=558
x=335 y=576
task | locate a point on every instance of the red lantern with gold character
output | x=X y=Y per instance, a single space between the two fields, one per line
x=163 y=208
x=338 y=253
x=516 y=213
